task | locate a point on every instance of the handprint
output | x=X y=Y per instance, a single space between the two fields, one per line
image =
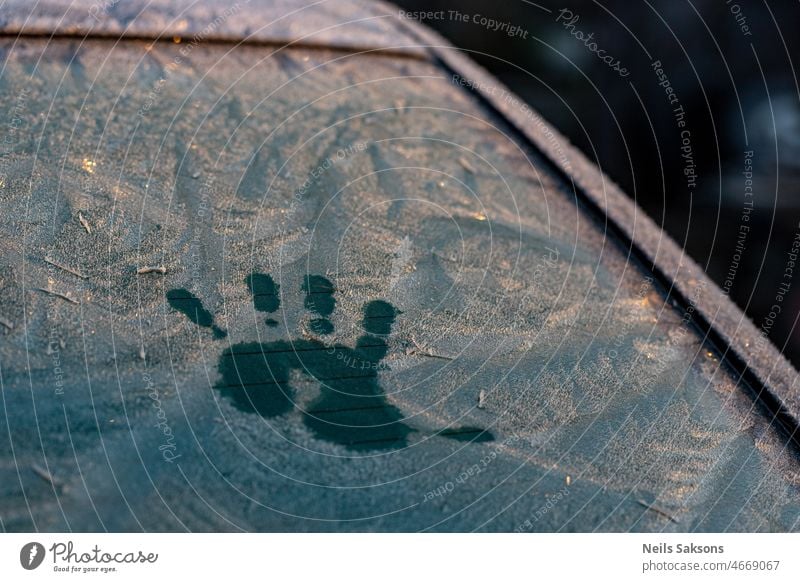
x=351 y=409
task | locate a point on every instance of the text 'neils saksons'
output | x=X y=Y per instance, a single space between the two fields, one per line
x=664 y=548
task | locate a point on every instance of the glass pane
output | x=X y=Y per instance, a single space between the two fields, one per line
x=308 y=290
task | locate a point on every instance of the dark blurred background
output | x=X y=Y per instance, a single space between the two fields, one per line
x=731 y=66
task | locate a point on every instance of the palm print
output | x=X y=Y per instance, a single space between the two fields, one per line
x=351 y=409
